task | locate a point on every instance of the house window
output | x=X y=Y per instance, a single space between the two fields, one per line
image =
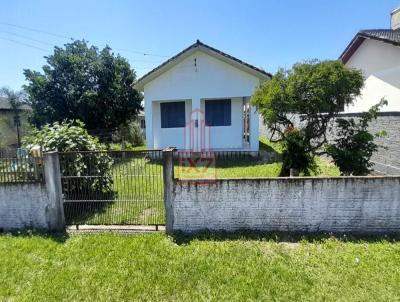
x=218 y=112
x=172 y=114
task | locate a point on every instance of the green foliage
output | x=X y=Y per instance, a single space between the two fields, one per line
x=354 y=147
x=130 y=133
x=82 y=82
x=67 y=137
x=294 y=153
x=307 y=97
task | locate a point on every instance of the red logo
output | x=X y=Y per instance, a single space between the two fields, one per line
x=197 y=160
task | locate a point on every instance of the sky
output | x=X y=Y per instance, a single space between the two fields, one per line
x=268 y=34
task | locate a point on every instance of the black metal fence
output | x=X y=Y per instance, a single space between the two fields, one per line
x=113 y=187
x=18 y=165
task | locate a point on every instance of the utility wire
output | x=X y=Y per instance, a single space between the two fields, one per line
x=71 y=38
x=36 y=30
x=52 y=45
x=25 y=37
x=24 y=44
x=141 y=53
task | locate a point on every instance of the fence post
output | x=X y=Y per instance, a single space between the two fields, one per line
x=55 y=214
x=168 y=177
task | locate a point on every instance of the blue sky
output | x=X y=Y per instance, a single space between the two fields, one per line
x=268 y=34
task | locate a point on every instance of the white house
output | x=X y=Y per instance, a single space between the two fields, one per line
x=377 y=53
x=199 y=100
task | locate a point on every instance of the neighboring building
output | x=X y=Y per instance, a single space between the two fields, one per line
x=142 y=122
x=377 y=53
x=199 y=100
x=8 y=129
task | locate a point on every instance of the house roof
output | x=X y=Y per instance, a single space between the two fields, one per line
x=5 y=105
x=207 y=49
x=384 y=35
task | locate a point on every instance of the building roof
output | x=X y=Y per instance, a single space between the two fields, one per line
x=208 y=49
x=384 y=35
x=5 y=105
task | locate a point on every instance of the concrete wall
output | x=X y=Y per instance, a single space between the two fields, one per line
x=380 y=64
x=354 y=204
x=33 y=205
x=209 y=79
x=387 y=159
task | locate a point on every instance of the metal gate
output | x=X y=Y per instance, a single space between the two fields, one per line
x=113 y=187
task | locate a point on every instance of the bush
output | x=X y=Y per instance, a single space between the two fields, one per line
x=72 y=136
x=130 y=133
x=294 y=155
x=354 y=147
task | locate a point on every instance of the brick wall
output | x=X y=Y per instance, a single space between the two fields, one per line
x=352 y=204
x=386 y=160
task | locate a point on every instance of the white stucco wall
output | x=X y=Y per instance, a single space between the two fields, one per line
x=209 y=79
x=342 y=204
x=380 y=64
x=35 y=205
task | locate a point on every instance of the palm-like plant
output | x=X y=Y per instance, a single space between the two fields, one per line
x=16 y=100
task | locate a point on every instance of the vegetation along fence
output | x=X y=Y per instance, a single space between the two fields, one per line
x=18 y=165
x=113 y=187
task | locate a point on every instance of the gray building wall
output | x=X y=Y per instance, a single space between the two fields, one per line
x=387 y=160
x=348 y=204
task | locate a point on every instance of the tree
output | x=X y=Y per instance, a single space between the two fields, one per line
x=16 y=100
x=82 y=82
x=354 y=146
x=306 y=98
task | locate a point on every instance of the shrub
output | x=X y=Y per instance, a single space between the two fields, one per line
x=354 y=147
x=130 y=133
x=295 y=155
x=72 y=136
x=308 y=96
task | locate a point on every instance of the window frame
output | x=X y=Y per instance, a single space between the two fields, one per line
x=226 y=118
x=179 y=123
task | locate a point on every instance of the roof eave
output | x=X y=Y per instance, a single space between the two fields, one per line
x=358 y=39
x=261 y=74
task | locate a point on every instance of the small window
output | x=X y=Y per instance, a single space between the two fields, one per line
x=218 y=112
x=172 y=115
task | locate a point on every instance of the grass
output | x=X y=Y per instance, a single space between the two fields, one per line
x=111 y=267
x=138 y=200
x=256 y=168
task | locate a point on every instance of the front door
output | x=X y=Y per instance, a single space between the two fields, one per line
x=197 y=135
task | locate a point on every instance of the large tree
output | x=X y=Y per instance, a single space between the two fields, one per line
x=85 y=83
x=298 y=104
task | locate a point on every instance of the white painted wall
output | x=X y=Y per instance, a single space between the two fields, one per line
x=380 y=64
x=232 y=135
x=210 y=79
x=169 y=137
x=341 y=204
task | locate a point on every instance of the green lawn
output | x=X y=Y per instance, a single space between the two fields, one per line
x=152 y=267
